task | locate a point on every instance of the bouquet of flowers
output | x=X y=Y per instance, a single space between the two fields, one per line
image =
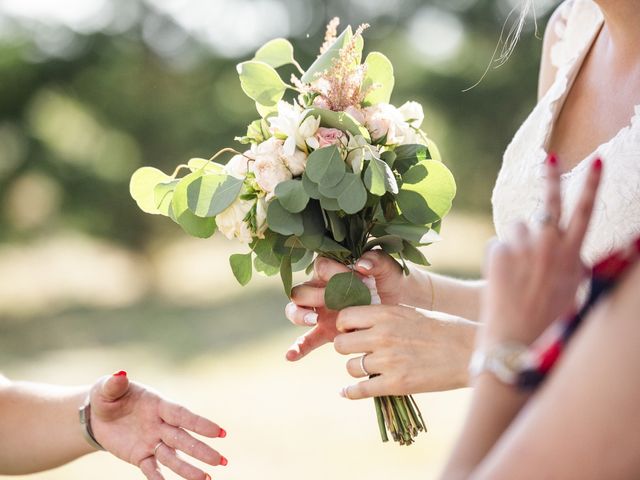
x=334 y=171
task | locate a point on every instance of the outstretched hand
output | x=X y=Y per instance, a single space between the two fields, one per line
x=140 y=427
x=308 y=309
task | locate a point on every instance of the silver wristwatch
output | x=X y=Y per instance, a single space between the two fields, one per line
x=505 y=360
x=84 y=413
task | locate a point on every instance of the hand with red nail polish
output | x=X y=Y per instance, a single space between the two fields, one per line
x=141 y=427
x=534 y=276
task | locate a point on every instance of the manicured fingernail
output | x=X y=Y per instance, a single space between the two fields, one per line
x=223 y=433
x=552 y=159
x=343 y=392
x=365 y=264
x=223 y=461
x=121 y=373
x=311 y=318
x=597 y=164
x=290 y=309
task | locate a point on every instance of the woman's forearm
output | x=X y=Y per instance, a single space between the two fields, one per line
x=493 y=408
x=39 y=426
x=440 y=293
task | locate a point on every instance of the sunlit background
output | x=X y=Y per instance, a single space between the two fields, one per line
x=92 y=89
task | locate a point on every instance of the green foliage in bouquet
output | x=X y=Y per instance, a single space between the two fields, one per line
x=334 y=172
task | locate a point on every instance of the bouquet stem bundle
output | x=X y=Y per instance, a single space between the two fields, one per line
x=400 y=416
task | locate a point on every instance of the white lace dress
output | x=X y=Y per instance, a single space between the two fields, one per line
x=518 y=194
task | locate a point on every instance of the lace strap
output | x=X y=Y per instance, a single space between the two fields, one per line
x=573 y=27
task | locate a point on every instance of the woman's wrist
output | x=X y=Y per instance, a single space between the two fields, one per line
x=417 y=289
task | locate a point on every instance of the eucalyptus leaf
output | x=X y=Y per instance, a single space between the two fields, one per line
x=389 y=243
x=241 y=267
x=329 y=204
x=378 y=74
x=329 y=245
x=303 y=262
x=325 y=166
x=310 y=187
x=292 y=195
x=282 y=221
x=266 y=111
x=408 y=155
x=353 y=196
x=314 y=229
x=337 y=226
x=265 y=250
x=264 y=268
x=190 y=223
x=413 y=254
x=379 y=178
x=324 y=61
x=142 y=188
x=276 y=53
x=209 y=167
x=346 y=290
x=427 y=192
x=261 y=82
x=201 y=193
x=286 y=274
x=163 y=196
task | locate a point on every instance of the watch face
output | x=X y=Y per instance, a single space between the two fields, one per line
x=508 y=361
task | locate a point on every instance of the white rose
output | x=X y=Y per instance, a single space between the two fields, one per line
x=382 y=120
x=231 y=221
x=292 y=124
x=410 y=136
x=269 y=168
x=296 y=162
x=356 y=113
x=412 y=113
x=238 y=166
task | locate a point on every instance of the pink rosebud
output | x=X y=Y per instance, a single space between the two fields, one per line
x=328 y=136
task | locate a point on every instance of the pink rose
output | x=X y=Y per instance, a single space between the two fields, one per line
x=328 y=136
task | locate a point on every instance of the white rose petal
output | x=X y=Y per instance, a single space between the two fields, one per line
x=412 y=113
x=269 y=167
x=238 y=166
x=231 y=221
x=296 y=162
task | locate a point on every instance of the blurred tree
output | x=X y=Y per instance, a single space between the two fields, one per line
x=87 y=115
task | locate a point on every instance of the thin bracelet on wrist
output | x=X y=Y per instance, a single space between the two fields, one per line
x=84 y=414
x=433 y=292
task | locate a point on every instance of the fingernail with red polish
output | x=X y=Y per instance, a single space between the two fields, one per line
x=552 y=159
x=597 y=164
x=223 y=461
x=121 y=373
x=223 y=433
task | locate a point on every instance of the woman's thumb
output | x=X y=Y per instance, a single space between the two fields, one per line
x=115 y=386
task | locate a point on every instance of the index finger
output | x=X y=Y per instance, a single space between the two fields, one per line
x=325 y=268
x=581 y=217
x=180 y=416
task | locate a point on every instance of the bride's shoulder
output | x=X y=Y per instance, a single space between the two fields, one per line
x=553 y=35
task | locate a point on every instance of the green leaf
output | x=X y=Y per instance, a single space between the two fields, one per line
x=310 y=187
x=330 y=245
x=408 y=231
x=142 y=188
x=209 y=167
x=379 y=178
x=264 y=268
x=314 y=229
x=265 y=110
x=192 y=224
x=241 y=267
x=379 y=71
x=427 y=192
x=292 y=195
x=281 y=221
x=350 y=193
x=200 y=193
x=324 y=61
x=329 y=204
x=265 y=250
x=276 y=53
x=340 y=120
x=434 y=151
x=413 y=254
x=212 y=194
x=163 y=196
x=337 y=226
x=286 y=274
x=325 y=166
x=303 y=262
x=346 y=290
x=408 y=155
x=261 y=82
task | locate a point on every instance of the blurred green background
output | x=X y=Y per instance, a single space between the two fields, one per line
x=92 y=89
